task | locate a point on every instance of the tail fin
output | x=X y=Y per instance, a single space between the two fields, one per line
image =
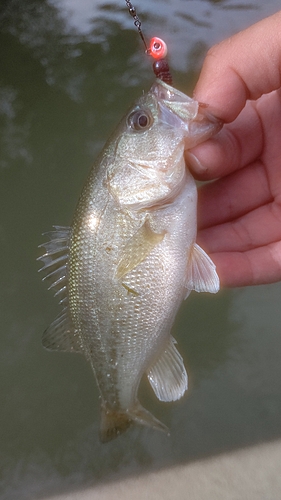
x=114 y=423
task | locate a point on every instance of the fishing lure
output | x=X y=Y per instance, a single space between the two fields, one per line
x=157 y=49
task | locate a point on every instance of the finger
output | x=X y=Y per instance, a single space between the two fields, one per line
x=242 y=67
x=238 y=144
x=257 y=228
x=254 y=267
x=233 y=196
x=269 y=110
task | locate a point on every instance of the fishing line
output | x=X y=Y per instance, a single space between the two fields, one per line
x=157 y=49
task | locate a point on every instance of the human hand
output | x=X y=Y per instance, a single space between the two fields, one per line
x=239 y=214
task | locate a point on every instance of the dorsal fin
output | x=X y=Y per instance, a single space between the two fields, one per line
x=60 y=335
x=55 y=261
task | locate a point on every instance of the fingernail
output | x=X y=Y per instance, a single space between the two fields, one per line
x=194 y=163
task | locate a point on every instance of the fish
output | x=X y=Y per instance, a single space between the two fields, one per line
x=130 y=257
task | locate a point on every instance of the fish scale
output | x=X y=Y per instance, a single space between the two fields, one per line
x=130 y=258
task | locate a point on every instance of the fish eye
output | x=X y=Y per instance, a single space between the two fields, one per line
x=140 y=120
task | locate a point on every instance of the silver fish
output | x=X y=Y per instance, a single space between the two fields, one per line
x=129 y=259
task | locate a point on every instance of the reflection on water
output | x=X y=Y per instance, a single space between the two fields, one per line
x=67 y=77
x=14 y=137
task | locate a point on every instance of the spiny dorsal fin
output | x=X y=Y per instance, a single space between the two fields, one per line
x=55 y=260
x=138 y=248
x=168 y=377
x=202 y=275
x=60 y=335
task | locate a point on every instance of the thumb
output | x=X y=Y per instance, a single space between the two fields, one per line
x=242 y=67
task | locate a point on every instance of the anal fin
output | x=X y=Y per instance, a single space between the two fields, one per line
x=168 y=377
x=138 y=248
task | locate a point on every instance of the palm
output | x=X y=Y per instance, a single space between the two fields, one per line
x=239 y=214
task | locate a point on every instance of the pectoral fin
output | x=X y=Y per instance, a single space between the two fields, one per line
x=168 y=377
x=202 y=275
x=138 y=248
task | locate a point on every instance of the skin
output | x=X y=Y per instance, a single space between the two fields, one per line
x=240 y=212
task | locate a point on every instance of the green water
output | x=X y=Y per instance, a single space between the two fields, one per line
x=66 y=78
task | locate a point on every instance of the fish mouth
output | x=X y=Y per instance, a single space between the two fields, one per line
x=173 y=102
x=180 y=111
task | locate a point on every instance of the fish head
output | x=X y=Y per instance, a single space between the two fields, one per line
x=149 y=167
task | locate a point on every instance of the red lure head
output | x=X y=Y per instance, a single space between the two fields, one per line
x=158 y=50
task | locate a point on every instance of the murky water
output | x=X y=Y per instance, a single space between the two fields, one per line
x=68 y=72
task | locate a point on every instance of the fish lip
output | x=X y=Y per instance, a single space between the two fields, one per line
x=179 y=111
x=166 y=92
x=181 y=105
